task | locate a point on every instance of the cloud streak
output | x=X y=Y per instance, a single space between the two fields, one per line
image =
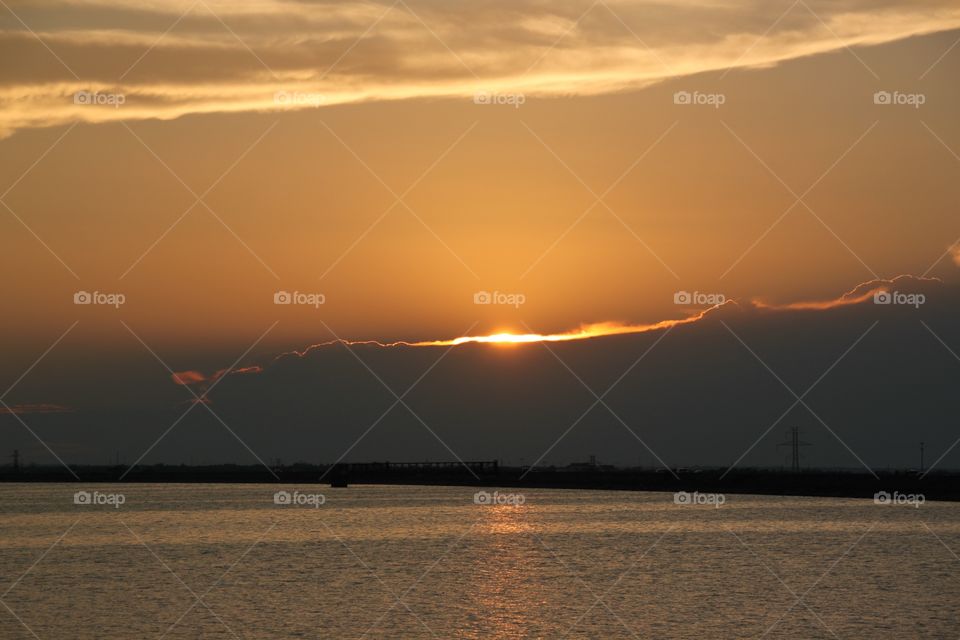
x=178 y=58
x=863 y=293
x=42 y=407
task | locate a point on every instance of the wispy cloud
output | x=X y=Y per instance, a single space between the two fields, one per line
x=42 y=407
x=191 y=377
x=173 y=58
x=863 y=293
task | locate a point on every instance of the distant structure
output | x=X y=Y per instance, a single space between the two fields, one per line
x=794 y=443
x=16 y=461
x=921 y=457
x=590 y=465
x=477 y=466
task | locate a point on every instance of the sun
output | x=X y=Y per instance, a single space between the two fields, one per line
x=503 y=338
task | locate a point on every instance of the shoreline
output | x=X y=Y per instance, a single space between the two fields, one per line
x=935 y=486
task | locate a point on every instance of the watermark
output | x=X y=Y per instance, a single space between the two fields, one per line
x=298 y=499
x=95 y=497
x=97 y=297
x=895 y=297
x=97 y=99
x=898 y=98
x=299 y=99
x=499 y=297
x=697 y=98
x=511 y=99
x=913 y=499
x=487 y=498
x=714 y=499
x=698 y=297
x=297 y=297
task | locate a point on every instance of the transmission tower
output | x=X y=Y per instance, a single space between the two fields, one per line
x=794 y=443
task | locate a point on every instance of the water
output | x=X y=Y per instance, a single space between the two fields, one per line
x=224 y=561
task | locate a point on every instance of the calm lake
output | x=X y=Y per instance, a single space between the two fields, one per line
x=241 y=561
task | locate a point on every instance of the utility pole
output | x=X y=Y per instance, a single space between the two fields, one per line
x=794 y=443
x=16 y=461
x=921 y=457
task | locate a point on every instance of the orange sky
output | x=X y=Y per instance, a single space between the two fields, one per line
x=502 y=197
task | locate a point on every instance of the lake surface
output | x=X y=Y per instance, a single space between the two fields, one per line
x=226 y=561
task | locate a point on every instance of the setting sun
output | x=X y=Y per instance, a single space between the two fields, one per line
x=374 y=319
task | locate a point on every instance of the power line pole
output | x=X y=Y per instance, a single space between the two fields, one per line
x=921 y=457
x=794 y=443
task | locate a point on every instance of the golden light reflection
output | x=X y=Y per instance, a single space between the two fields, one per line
x=505 y=577
x=505 y=519
x=584 y=332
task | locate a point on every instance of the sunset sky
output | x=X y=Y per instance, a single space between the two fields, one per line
x=395 y=159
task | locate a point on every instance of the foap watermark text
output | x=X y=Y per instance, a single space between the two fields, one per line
x=514 y=100
x=714 y=100
x=98 y=498
x=698 y=298
x=497 y=498
x=499 y=297
x=298 y=297
x=98 y=99
x=299 y=99
x=713 y=499
x=98 y=297
x=297 y=499
x=915 y=100
x=896 y=297
x=914 y=500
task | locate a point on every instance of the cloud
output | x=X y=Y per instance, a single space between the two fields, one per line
x=704 y=392
x=359 y=51
x=708 y=392
x=191 y=377
x=188 y=377
x=42 y=407
x=861 y=294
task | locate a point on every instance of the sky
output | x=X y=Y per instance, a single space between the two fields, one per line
x=427 y=171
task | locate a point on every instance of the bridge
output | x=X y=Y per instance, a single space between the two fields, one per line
x=477 y=466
